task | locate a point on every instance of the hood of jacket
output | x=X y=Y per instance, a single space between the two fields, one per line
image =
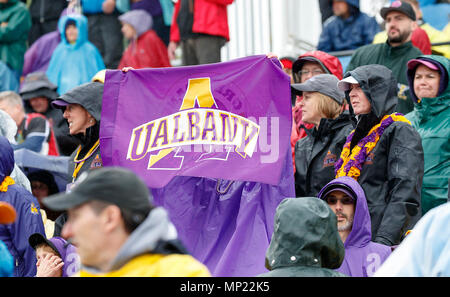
x=330 y=63
x=305 y=234
x=354 y=3
x=81 y=23
x=139 y=19
x=6 y=158
x=431 y=106
x=89 y=95
x=361 y=232
x=156 y=228
x=379 y=86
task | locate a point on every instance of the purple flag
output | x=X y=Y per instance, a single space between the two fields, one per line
x=222 y=185
x=227 y=120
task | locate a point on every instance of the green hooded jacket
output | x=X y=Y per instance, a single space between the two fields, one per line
x=431 y=118
x=14 y=35
x=305 y=241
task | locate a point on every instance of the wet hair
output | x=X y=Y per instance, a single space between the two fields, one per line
x=327 y=106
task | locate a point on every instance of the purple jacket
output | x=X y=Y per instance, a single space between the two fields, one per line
x=28 y=219
x=68 y=255
x=38 y=56
x=362 y=256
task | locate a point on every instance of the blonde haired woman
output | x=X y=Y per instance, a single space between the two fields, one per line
x=315 y=155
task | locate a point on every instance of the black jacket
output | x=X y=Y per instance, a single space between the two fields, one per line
x=392 y=174
x=316 y=154
x=89 y=96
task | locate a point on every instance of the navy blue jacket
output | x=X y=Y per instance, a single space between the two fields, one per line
x=28 y=217
x=355 y=31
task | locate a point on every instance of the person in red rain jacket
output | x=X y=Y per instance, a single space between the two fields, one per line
x=201 y=27
x=306 y=66
x=146 y=49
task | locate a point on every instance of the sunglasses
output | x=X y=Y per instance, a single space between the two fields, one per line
x=345 y=200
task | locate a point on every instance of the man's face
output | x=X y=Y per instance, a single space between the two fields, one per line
x=84 y=229
x=340 y=8
x=39 y=104
x=399 y=27
x=310 y=69
x=358 y=100
x=344 y=208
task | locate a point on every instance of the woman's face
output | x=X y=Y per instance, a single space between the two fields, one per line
x=358 y=100
x=310 y=112
x=39 y=104
x=128 y=31
x=78 y=118
x=426 y=82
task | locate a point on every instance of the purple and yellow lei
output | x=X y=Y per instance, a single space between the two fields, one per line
x=350 y=163
x=6 y=182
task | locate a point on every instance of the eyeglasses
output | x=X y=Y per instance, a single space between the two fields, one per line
x=314 y=72
x=345 y=200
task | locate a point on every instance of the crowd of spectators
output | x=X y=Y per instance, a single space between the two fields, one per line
x=371 y=140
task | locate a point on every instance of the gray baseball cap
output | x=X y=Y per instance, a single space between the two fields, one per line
x=115 y=185
x=323 y=83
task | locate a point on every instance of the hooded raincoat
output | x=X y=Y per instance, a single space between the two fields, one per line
x=8 y=129
x=29 y=220
x=147 y=50
x=89 y=96
x=14 y=35
x=305 y=240
x=362 y=256
x=431 y=118
x=152 y=250
x=392 y=173
x=74 y=64
x=425 y=252
x=340 y=34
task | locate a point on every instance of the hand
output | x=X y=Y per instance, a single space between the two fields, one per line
x=49 y=266
x=125 y=69
x=4 y=24
x=108 y=6
x=272 y=55
x=171 y=49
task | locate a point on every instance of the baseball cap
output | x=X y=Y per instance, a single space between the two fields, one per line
x=323 y=83
x=7 y=213
x=399 y=6
x=36 y=239
x=337 y=187
x=298 y=64
x=344 y=84
x=412 y=64
x=114 y=185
